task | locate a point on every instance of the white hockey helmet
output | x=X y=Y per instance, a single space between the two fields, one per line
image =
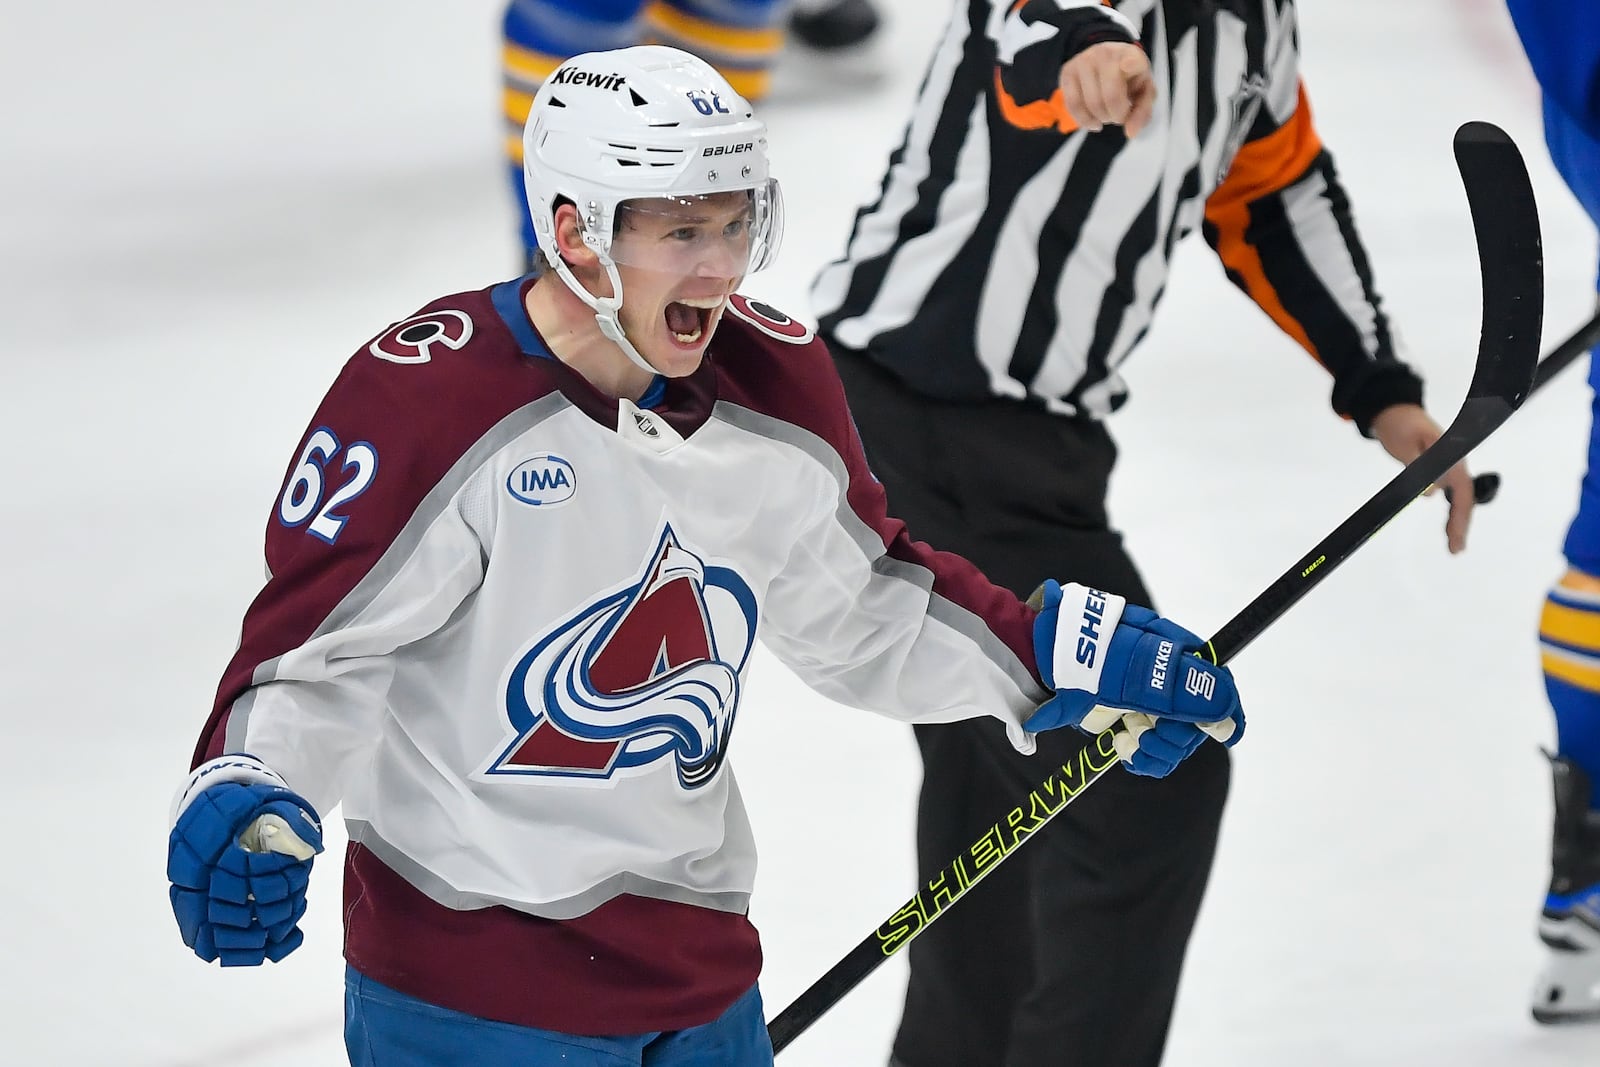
x=648 y=123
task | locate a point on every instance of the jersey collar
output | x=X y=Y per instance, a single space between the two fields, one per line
x=684 y=403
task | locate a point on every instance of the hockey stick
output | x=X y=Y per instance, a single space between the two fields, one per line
x=1585 y=337
x=1505 y=223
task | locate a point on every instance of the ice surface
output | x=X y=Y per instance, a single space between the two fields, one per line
x=204 y=208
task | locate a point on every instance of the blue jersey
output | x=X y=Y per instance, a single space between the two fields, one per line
x=1562 y=40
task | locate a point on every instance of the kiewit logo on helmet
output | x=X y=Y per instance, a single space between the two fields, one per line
x=574 y=76
x=728 y=149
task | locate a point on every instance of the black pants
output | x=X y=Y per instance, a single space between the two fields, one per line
x=1069 y=953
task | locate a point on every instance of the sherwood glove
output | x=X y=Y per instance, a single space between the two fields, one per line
x=1108 y=660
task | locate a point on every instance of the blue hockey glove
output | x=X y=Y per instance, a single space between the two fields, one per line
x=239 y=859
x=1108 y=660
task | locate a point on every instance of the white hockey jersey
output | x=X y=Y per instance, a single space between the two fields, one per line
x=508 y=623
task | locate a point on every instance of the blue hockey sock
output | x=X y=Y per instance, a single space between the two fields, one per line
x=1569 y=647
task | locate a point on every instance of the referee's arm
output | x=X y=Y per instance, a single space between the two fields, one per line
x=1036 y=41
x=1281 y=224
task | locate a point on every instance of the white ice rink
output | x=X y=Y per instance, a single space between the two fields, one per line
x=204 y=208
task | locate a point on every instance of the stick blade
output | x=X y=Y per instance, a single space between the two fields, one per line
x=1505 y=221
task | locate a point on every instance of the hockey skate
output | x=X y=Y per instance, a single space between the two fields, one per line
x=1568 y=989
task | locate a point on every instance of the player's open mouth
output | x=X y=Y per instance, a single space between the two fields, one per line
x=688 y=319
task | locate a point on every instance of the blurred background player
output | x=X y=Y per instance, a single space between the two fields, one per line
x=1562 y=40
x=742 y=39
x=833 y=24
x=978 y=317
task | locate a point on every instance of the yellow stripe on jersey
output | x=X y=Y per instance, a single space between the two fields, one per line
x=712 y=40
x=527 y=66
x=1571 y=668
x=1570 y=626
x=517 y=105
x=525 y=70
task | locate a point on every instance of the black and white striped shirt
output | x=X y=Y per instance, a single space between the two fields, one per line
x=1011 y=254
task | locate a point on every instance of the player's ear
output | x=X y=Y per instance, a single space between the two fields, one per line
x=569 y=238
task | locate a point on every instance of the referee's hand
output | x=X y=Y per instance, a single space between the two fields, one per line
x=1405 y=431
x=1109 y=84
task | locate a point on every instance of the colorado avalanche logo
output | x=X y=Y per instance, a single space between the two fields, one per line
x=769 y=320
x=644 y=674
x=412 y=340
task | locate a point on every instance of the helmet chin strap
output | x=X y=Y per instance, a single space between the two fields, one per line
x=605 y=308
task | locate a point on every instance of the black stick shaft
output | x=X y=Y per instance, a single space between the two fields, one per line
x=1583 y=338
x=1486 y=486
x=1477 y=419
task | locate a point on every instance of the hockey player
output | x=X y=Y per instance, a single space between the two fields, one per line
x=979 y=316
x=1562 y=41
x=741 y=38
x=517 y=567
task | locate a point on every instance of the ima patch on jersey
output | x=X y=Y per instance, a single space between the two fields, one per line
x=646 y=673
x=543 y=481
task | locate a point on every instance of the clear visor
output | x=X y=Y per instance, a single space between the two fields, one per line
x=720 y=235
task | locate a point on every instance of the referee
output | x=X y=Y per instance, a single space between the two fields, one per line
x=1014 y=257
